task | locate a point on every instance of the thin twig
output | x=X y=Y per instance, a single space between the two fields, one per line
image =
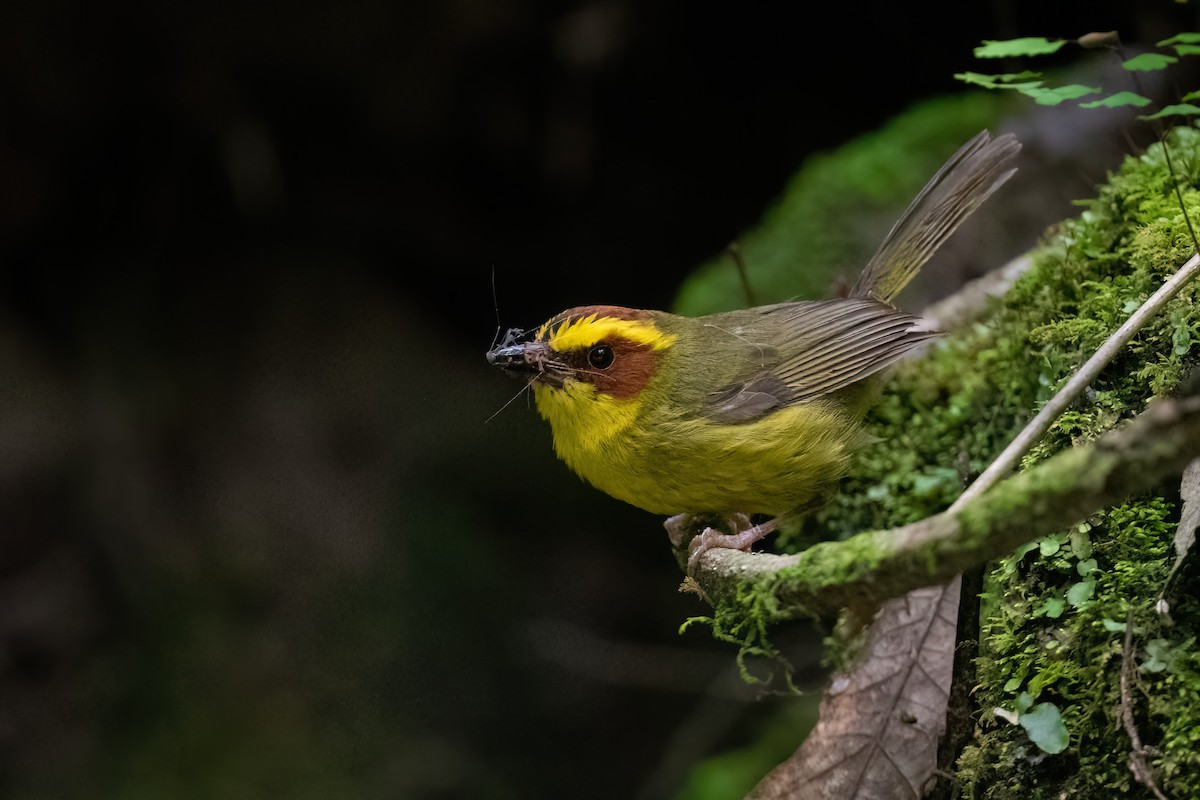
x=735 y=252
x=1187 y=218
x=1137 y=755
x=1019 y=446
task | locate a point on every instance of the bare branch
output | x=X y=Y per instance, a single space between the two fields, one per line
x=1019 y=446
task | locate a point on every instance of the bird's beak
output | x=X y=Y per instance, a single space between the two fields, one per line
x=526 y=358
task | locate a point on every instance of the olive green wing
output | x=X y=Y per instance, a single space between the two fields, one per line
x=810 y=349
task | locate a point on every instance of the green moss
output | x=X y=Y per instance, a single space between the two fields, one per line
x=1054 y=612
x=1075 y=660
x=828 y=565
x=746 y=620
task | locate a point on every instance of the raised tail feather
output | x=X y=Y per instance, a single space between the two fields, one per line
x=967 y=178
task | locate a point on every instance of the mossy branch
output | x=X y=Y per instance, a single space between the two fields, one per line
x=1086 y=374
x=862 y=572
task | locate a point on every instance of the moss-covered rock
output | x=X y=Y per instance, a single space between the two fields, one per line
x=1054 y=613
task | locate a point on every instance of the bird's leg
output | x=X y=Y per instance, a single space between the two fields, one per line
x=744 y=539
x=680 y=525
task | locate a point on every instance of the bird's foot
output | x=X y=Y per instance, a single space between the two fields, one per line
x=679 y=526
x=743 y=540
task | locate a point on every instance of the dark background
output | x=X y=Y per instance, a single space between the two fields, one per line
x=260 y=535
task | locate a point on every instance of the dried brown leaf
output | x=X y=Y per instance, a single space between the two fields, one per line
x=1189 y=521
x=877 y=737
x=1189 y=516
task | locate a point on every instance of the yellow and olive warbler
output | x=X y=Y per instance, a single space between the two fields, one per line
x=756 y=411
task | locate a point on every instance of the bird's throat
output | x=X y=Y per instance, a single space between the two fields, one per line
x=583 y=419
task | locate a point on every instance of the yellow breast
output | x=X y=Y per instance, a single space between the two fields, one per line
x=670 y=465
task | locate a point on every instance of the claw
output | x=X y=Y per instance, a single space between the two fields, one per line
x=742 y=540
x=680 y=525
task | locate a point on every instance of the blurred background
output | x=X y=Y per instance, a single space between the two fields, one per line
x=269 y=525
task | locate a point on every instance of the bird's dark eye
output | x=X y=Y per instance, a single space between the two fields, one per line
x=600 y=356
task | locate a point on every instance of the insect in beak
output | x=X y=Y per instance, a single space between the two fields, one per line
x=533 y=357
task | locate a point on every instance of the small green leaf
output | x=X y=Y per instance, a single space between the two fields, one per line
x=1191 y=96
x=1187 y=50
x=1181 y=339
x=1052 y=97
x=1081 y=592
x=1053 y=608
x=1049 y=546
x=1118 y=100
x=1081 y=543
x=934 y=480
x=1024 y=550
x=1182 y=109
x=1005 y=78
x=1043 y=723
x=1113 y=626
x=1023 y=702
x=1185 y=38
x=1086 y=567
x=1012 y=562
x=1012 y=684
x=1010 y=80
x=1028 y=46
x=1158 y=655
x=1148 y=62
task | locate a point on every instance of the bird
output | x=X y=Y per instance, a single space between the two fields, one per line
x=755 y=411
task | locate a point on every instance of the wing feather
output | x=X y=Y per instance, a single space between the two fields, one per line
x=818 y=348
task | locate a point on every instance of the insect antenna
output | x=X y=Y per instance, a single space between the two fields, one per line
x=511 y=400
x=496 y=306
